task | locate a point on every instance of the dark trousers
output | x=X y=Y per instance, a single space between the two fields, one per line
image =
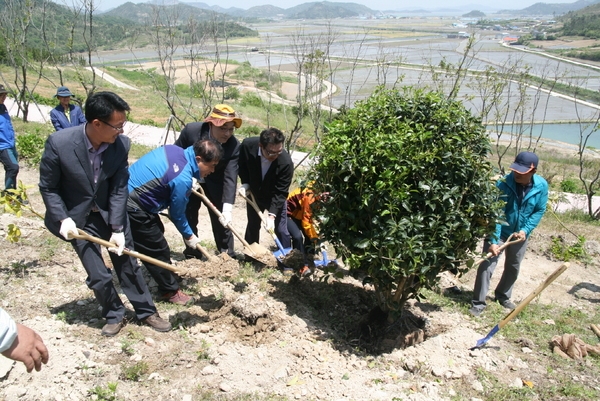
x=254 y=222
x=10 y=160
x=223 y=237
x=148 y=238
x=298 y=241
x=99 y=277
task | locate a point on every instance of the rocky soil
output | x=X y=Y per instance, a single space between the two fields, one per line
x=254 y=332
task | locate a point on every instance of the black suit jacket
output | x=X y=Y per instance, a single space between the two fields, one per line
x=224 y=178
x=271 y=192
x=67 y=181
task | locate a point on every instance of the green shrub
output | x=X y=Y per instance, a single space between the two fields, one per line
x=410 y=189
x=30 y=147
x=232 y=92
x=251 y=99
x=564 y=252
x=569 y=185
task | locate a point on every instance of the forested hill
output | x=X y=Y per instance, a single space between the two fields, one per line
x=584 y=22
x=55 y=28
x=556 y=9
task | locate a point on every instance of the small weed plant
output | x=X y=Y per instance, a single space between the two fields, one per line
x=108 y=393
x=562 y=251
x=134 y=373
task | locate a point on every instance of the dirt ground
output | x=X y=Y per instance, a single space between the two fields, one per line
x=268 y=336
x=183 y=70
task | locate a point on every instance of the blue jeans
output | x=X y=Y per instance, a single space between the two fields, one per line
x=10 y=159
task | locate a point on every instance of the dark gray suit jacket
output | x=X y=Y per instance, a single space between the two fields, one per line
x=67 y=181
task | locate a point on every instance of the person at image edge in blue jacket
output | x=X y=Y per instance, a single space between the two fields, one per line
x=159 y=180
x=66 y=115
x=8 y=148
x=526 y=195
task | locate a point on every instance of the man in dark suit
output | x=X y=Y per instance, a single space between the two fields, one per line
x=83 y=182
x=220 y=185
x=266 y=170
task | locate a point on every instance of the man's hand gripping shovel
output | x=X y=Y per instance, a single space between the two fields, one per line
x=281 y=252
x=255 y=251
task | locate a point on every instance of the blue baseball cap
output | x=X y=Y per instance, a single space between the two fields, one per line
x=524 y=163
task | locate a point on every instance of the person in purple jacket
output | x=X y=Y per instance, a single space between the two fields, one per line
x=66 y=115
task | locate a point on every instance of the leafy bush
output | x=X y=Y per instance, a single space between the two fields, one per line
x=569 y=185
x=251 y=99
x=232 y=92
x=30 y=147
x=565 y=252
x=410 y=189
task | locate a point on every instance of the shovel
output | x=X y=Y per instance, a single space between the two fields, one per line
x=522 y=305
x=507 y=243
x=325 y=261
x=87 y=237
x=252 y=250
x=282 y=251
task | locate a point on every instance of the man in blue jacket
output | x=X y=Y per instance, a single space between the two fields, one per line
x=66 y=115
x=163 y=179
x=8 y=149
x=526 y=195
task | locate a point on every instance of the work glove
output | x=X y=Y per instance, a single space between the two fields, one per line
x=270 y=221
x=195 y=184
x=192 y=241
x=68 y=226
x=119 y=240
x=244 y=190
x=225 y=218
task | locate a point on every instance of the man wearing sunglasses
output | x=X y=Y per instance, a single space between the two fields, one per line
x=266 y=170
x=220 y=185
x=83 y=182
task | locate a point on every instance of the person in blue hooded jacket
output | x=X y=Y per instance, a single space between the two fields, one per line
x=159 y=180
x=66 y=115
x=526 y=195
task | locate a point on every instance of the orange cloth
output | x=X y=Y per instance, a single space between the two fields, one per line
x=299 y=207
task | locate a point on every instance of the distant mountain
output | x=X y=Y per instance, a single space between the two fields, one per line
x=313 y=10
x=552 y=9
x=144 y=13
x=267 y=11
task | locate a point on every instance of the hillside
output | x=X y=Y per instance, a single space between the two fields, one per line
x=551 y=8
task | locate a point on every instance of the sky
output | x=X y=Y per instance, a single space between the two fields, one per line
x=372 y=4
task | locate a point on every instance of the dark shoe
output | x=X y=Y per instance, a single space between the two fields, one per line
x=112 y=329
x=157 y=323
x=507 y=304
x=177 y=297
x=455 y=290
x=475 y=311
x=305 y=272
x=191 y=253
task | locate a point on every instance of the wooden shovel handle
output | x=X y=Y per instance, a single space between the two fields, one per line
x=87 y=237
x=216 y=211
x=533 y=294
x=507 y=243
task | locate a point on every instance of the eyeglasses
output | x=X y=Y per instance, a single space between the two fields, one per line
x=121 y=128
x=271 y=154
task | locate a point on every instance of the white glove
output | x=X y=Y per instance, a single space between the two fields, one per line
x=195 y=184
x=243 y=189
x=119 y=240
x=68 y=226
x=225 y=218
x=270 y=222
x=192 y=242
